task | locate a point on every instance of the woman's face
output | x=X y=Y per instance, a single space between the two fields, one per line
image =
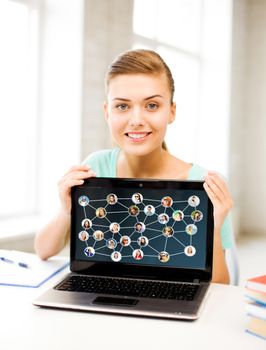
x=138 y=110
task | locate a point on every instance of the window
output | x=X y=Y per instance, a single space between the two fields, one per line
x=18 y=108
x=194 y=38
x=40 y=89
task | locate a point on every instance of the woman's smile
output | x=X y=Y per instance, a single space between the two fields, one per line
x=137 y=136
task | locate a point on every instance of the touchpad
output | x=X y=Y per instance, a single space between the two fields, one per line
x=115 y=301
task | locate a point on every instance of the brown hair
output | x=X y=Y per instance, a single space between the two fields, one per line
x=140 y=61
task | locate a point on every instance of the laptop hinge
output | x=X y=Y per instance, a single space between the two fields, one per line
x=196 y=280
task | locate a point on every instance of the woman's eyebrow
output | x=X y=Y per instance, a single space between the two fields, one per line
x=150 y=97
x=145 y=99
x=120 y=99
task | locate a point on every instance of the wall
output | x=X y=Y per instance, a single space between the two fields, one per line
x=238 y=90
x=248 y=125
x=107 y=32
x=254 y=145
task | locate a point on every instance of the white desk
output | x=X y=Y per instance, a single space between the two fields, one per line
x=220 y=326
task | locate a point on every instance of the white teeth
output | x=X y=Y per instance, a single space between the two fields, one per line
x=137 y=136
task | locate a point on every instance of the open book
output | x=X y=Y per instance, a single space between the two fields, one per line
x=28 y=270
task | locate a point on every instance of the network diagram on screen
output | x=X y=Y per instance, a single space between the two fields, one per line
x=139 y=228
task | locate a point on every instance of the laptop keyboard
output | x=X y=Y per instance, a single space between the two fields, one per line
x=129 y=287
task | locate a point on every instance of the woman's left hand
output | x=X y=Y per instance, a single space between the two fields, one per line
x=220 y=196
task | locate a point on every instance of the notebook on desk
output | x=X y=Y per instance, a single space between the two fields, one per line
x=139 y=247
x=22 y=269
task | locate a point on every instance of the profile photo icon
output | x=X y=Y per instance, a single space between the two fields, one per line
x=133 y=210
x=111 y=199
x=89 y=251
x=114 y=227
x=83 y=236
x=83 y=201
x=111 y=243
x=149 y=210
x=137 y=254
x=140 y=227
x=137 y=198
x=164 y=257
x=191 y=229
x=116 y=256
x=190 y=250
x=163 y=218
x=167 y=201
x=143 y=241
x=125 y=241
x=178 y=215
x=98 y=235
x=168 y=231
x=196 y=215
x=193 y=201
x=100 y=212
x=86 y=223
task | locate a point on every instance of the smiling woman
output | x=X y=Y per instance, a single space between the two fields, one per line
x=138 y=109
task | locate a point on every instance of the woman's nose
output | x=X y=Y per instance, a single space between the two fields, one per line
x=136 y=118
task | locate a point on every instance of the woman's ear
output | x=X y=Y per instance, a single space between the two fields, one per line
x=105 y=110
x=172 y=113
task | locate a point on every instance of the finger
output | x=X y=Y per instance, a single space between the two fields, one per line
x=221 y=183
x=66 y=185
x=78 y=175
x=210 y=193
x=227 y=199
x=215 y=188
x=71 y=183
x=79 y=167
x=227 y=203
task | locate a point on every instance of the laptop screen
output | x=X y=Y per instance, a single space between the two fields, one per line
x=141 y=222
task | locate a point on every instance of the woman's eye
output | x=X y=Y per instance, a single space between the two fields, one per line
x=152 y=106
x=122 y=107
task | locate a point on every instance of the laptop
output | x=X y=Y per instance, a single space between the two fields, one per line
x=137 y=247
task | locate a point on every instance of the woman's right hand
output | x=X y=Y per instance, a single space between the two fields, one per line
x=75 y=176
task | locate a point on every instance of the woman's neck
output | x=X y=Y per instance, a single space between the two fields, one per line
x=158 y=164
x=147 y=166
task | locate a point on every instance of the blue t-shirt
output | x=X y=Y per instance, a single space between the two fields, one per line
x=104 y=163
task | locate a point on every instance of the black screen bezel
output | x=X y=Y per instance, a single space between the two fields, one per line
x=137 y=271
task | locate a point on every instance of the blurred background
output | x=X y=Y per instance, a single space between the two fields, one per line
x=54 y=54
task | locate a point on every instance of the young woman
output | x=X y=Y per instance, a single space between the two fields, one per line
x=138 y=108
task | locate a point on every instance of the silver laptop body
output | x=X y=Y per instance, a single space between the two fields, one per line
x=134 y=245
